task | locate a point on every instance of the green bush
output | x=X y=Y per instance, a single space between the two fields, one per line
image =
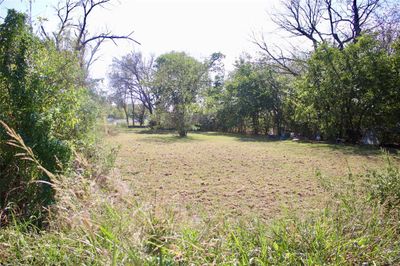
x=43 y=99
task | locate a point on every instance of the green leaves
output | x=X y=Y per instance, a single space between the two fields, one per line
x=179 y=79
x=43 y=100
x=253 y=92
x=350 y=90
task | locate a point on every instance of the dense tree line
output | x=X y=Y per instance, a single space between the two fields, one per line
x=345 y=86
x=341 y=93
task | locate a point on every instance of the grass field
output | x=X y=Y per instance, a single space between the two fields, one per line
x=215 y=199
x=232 y=175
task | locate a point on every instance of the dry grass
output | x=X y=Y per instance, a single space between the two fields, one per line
x=99 y=221
x=214 y=174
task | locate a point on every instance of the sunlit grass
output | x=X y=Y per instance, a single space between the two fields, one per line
x=230 y=174
x=121 y=220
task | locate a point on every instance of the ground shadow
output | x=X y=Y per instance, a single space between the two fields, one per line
x=168 y=139
x=161 y=136
x=350 y=149
x=164 y=136
x=364 y=150
x=149 y=131
x=237 y=136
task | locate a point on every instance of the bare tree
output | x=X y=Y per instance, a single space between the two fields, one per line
x=302 y=18
x=139 y=72
x=338 y=21
x=119 y=95
x=286 y=63
x=322 y=21
x=134 y=73
x=73 y=33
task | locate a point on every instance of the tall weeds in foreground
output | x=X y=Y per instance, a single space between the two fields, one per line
x=31 y=192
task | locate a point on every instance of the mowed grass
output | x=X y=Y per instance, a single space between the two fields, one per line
x=231 y=175
x=188 y=202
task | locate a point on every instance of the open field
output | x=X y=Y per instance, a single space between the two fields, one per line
x=216 y=174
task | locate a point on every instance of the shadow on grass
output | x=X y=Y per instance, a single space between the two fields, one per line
x=237 y=136
x=170 y=136
x=149 y=131
x=345 y=149
x=355 y=149
x=143 y=130
x=168 y=139
x=164 y=136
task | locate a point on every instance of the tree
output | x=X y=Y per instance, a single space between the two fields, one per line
x=42 y=100
x=119 y=95
x=178 y=79
x=72 y=32
x=346 y=92
x=253 y=93
x=337 y=22
x=134 y=73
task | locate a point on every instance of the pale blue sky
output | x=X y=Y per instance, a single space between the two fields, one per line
x=198 y=27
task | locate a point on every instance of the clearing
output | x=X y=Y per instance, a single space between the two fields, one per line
x=218 y=174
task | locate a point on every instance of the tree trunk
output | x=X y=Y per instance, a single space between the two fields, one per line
x=133 y=110
x=182 y=133
x=126 y=115
x=180 y=121
x=266 y=124
x=356 y=21
x=278 y=123
x=255 y=121
x=141 y=117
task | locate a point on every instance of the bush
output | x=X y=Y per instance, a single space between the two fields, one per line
x=43 y=99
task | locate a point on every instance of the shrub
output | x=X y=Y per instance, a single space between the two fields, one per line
x=43 y=99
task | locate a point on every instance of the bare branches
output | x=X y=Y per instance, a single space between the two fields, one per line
x=133 y=74
x=327 y=20
x=64 y=15
x=301 y=19
x=74 y=19
x=282 y=62
x=87 y=7
x=322 y=21
x=109 y=36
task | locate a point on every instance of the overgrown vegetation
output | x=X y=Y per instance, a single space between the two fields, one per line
x=44 y=101
x=62 y=201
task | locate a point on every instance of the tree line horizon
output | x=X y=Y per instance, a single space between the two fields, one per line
x=345 y=86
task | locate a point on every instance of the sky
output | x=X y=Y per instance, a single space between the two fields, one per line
x=198 y=27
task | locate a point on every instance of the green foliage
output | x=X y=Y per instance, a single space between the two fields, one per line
x=385 y=186
x=253 y=95
x=340 y=93
x=346 y=92
x=179 y=79
x=42 y=97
